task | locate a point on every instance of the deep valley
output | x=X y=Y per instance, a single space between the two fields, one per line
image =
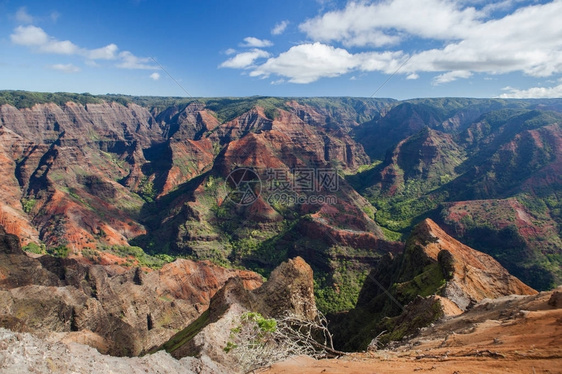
x=144 y=224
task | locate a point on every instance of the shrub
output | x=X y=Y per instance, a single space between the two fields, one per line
x=35 y=248
x=60 y=251
x=258 y=341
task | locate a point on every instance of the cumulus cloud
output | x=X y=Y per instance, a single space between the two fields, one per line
x=534 y=92
x=251 y=42
x=307 y=63
x=130 y=61
x=279 y=28
x=29 y=36
x=475 y=37
x=66 y=68
x=37 y=39
x=388 y=22
x=108 y=52
x=245 y=59
x=155 y=76
x=451 y=76
x=32 y=36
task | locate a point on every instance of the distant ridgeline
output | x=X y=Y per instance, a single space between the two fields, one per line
x=87 y=176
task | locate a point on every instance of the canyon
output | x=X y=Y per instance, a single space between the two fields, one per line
x=121 y=229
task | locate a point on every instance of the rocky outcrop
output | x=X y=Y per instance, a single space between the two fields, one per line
x=127 y=310
x=82 y=124
x=470 y=275
x=289 y=289
x=435 y=276
x=26 y=353
x=556 y=298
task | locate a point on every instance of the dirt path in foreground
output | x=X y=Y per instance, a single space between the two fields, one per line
x=357 y=365
x=512 y=335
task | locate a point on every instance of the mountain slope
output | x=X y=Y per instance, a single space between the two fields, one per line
x=510 y=151
x=118 y=310
x=87 y=176
x=436 y=275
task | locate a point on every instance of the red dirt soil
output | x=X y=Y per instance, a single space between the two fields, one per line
x=513 y=334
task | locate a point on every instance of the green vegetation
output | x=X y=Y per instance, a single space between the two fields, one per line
x=91 y=254
x=113 y=159
x=59 y=251
x=428 y=282
x=186 y=334
x=229 y=108
x=143 y=259
x=26 y=99
x=261 y=326
x=39 y=249
x=501 y=228
x=392 y=235
x=399 y=214
x=394 y=297
x=28 y=204
x=451 y=149
x=420 y=314
x=264 y=325
x=147 y=190
x=338 y=292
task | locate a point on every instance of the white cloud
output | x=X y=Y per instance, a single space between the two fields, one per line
x=279 y=28
x=451 y=76
x=22 y=16
x=109 y=52
x=251 y=42
x=388 y=22
x=534 y=92
x=307 y=63
x=67 y=68
x=36 y=38
x=155 y=76
x=230 y=51
x=29 y=36
x=130 y=61
x=527 y=40
x=92 y=63
x=245 y=59
x=64 y=47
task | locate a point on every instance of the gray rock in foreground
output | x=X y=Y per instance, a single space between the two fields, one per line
x=22 y=353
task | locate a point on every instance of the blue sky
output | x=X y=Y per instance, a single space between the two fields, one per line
x=429 y=48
